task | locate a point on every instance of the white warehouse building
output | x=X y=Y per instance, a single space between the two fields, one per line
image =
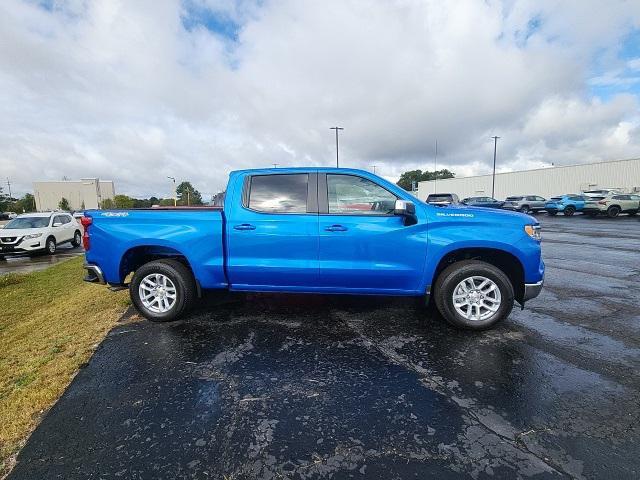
x=546 y=182
x=86 y=193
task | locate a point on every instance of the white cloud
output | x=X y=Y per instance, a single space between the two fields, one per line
x=122 y=90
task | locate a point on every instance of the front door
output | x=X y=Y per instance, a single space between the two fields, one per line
x=273 y=236
x=364 y=247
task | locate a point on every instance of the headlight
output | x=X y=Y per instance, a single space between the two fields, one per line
x=533 y=231
x=33 y=235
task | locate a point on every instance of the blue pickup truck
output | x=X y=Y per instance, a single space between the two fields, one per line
x=319 y=230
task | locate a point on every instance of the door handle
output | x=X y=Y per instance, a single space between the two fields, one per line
x=336 y=228
x=244 y=226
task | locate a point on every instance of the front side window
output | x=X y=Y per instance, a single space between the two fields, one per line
x=279 y=193
x=349 y=194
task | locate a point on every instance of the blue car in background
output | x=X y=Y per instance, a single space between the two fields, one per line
x=568 y=204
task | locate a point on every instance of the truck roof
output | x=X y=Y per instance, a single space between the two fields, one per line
x=301 y=170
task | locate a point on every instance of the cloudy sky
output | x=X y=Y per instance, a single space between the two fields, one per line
x=137 y=90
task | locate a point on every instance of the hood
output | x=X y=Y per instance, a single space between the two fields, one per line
x=491 y=214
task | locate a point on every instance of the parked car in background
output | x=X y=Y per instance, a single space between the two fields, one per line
x=306 y=230
x=525 y=203
x=39 y=232
x=568 y=204
x=442 y=199
x=12 y=215
x=612 y=205
x=486 y=202
x=601 y=192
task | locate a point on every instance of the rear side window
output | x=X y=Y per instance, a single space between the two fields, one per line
x=279 y=193
x=349 y=194
x=513 y=199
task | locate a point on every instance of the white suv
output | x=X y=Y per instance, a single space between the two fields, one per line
x=39 y=232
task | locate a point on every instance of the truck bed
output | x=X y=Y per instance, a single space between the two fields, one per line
x=195 y=233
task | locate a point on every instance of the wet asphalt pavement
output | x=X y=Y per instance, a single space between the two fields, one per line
x=331 y=387
x=25 y=264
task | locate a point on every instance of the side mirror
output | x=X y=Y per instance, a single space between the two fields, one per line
x=57 y=224
x=407 y=210
x=404 y=207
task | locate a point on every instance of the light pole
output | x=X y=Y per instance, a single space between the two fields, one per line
x=374 y=168
x=9 y=185
x=275 y=165
x=435 y=170
x=337 y=158
x=175 y=193
x=493 y=181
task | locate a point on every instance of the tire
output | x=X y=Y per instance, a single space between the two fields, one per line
x=613 y=211
x=525 y=209
x=632 y=212
x=569 y=211
x=77 y=239
x=50 y=246
x=184 y=290
x=449 y=282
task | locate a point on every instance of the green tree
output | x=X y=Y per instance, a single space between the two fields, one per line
x=123 y=201
x=63 y=204
x=4 y=201
x=166 y=202
x=107 y=204
x=187 y=195
x=407 y=178
x=26 y=204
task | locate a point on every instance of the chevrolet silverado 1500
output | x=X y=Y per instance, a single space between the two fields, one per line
x=319 y=230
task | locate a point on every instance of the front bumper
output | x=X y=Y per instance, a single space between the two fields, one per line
x=532 y=290
x=25 y=246
x=94 y=274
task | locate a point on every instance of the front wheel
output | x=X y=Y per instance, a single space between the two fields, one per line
x=162 y=290
x=50 y=246
x=569 y=211
x=473 y=295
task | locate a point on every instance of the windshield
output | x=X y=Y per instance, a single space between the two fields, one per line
x=27 y=222
x=439 y=198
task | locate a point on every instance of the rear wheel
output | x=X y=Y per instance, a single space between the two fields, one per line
x=569 y=211
x=525 y=209
x=473 y=295
x=633 y=212
x=613 y=211
x=162 y=290
x=77 y=239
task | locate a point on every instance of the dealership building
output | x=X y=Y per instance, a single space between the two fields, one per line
x=85 y=193
x=546 y=182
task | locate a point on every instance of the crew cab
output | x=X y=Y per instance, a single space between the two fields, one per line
x=319 y=230
x=43 y=232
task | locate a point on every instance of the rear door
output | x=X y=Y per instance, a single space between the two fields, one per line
x=273 y=235
x=364 y=247
x=58 y=228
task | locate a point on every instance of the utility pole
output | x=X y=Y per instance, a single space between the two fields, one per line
x=435 y=170
x=337 y=158
x=275 y=165
x=188 y=197
x=374 y=168
x=493 y=181
x=9 y=185
x=175 y=192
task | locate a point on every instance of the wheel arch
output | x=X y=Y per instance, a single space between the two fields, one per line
x=506 y=261
x=135 y=257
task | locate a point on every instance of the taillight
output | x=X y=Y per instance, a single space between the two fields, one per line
x=86 y=222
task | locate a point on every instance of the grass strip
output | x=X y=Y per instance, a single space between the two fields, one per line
x=50 y=323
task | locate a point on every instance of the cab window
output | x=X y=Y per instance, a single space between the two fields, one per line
x=350 y=194
x=279 y=193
